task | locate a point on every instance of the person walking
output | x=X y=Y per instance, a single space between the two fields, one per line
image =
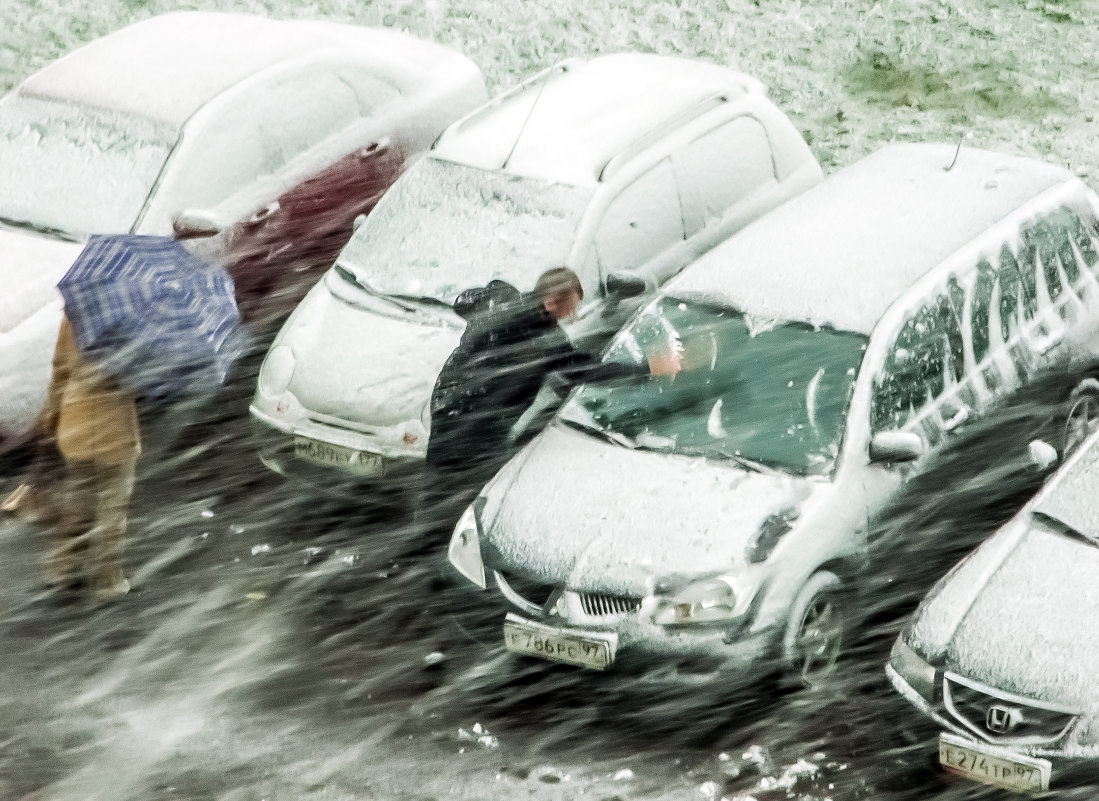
x=512 y=342
x=93 y=418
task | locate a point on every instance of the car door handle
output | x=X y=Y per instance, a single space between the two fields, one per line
x=374 y=148
x=957 y=419
x=263 y=215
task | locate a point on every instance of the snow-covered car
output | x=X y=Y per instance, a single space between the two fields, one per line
x=1001 y=654
x=624 y=168
x=263 y=138
x=712 y=525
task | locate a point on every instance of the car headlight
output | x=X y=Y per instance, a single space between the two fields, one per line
x=913 y=668
x=277 y=370
x=709 y=601
x=465 y=549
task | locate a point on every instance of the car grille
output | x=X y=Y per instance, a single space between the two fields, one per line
x=1004 y=719
x=604 y=605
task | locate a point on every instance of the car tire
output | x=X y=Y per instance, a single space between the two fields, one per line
x=815 y=631
x=1082 y=417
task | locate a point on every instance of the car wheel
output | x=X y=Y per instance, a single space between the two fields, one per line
x=1082 y=418
x=815 y=631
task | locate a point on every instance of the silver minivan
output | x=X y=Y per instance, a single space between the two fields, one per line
x=832 y=350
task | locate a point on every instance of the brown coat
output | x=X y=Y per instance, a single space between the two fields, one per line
x=93 y=416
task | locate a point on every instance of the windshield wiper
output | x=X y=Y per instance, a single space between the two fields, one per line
x=27 y=225
x=422 y=300
x=607 y=436
x=353 y=279
x=1064 y=529
x=713 y=452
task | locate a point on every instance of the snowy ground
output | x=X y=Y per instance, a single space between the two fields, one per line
x=1016 y=75
x=267 y=652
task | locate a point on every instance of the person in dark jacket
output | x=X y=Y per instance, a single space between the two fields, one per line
x=512 y=342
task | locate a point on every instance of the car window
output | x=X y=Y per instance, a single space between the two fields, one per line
x=1039 y=239
x=770 y=392
x=1010 y=286
x=640 y=223
x=445 y=227
x=1082 y=235
x=261 y=133
x=915 y=370
x=76 y=169
x=720 y=169
x=980 y=309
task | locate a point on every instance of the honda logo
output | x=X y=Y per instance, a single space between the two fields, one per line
x=1003 y=719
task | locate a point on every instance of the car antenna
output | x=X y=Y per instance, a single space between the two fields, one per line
x=956 y=152
x=523 y=127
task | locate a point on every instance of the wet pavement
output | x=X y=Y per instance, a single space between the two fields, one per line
x=277 y=646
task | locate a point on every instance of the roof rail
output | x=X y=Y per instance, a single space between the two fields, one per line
x=562 y=66
x=661 y=130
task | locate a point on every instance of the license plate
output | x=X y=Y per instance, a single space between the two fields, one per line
x=558 y=645
x=358 y=462
x=992 y=766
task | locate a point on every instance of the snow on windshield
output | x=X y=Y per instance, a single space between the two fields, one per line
x=446 y=227
x=76 y=170
x=772 y=393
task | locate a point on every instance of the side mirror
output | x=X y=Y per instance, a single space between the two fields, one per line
x=195 y=224
x=625 y=285
x=1042 y=455
x=357 y=223
x=896 y=446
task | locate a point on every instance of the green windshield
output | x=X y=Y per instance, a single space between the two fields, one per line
x=750 y=391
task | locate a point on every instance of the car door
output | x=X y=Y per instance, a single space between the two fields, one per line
x=726 y=178
x=634 y=237
x=336 y=165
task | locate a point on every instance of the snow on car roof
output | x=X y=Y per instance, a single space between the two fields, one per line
x=167 y=67
x=840 y=254
x=584 y=114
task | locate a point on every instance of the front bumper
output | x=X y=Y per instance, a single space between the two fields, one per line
x=1069 y=770
x=274 y=443
x=656 y=654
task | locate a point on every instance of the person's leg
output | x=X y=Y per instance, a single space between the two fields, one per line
x=71 y=534
x=115 y=484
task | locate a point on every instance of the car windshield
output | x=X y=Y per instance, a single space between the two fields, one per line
x=446 y=227
x=73 y=170
x=763 y=394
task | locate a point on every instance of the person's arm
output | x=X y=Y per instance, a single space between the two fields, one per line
x=573 y=367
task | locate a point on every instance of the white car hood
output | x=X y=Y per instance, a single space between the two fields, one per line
x=1025 y=626
x=30 y=267
x=601 y=517
x=365 y=361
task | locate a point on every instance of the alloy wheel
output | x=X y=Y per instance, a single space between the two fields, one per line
x=819 y=639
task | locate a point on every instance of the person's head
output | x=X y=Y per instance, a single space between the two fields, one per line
x=560 y=292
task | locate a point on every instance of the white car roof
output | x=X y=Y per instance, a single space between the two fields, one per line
x=584 y=114
x=167 y=67
x=844 y=251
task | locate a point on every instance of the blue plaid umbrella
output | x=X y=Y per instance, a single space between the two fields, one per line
x=153 y=313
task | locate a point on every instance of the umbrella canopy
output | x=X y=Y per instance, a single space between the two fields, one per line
x=153 y=314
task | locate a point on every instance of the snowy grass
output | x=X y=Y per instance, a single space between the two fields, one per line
x=1014 y=75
